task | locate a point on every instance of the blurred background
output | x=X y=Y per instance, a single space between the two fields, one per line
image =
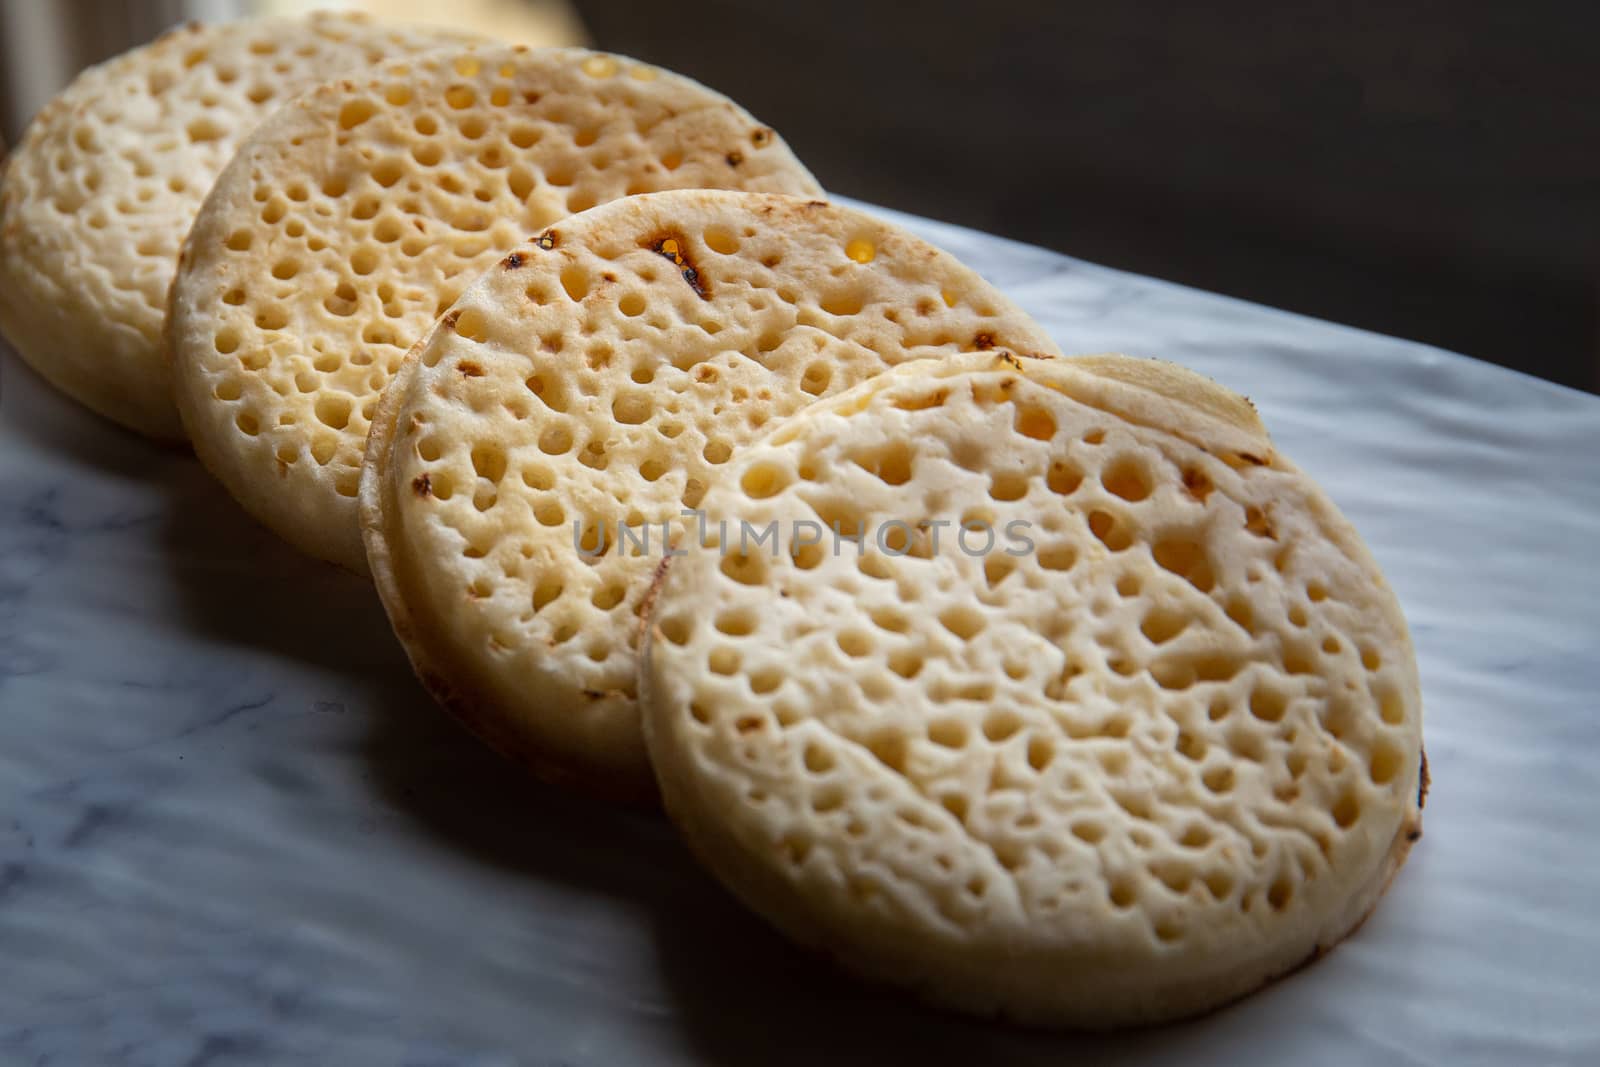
x=1424 y=168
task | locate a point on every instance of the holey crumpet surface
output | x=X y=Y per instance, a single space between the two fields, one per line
x=1150 y=743
x=598 y=379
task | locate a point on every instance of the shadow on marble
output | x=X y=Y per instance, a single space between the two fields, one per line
x=237 y=582
x=746 y=996
x=36 y=411
x=740 y=994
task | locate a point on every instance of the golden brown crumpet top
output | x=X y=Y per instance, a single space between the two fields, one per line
x=352 y=219
x=603 y=374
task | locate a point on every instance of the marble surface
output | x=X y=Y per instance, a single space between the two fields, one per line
x=234 y=830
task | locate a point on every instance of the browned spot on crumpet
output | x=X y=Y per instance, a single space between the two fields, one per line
x=1256 y=521
x=512 y=262
x=761 y=136
x=450 y=317
x=422 y=485
x=983 y=342
x=734 y=158
x=548 y=239
x=470 y=369
x=656 y=580
x=673 y=247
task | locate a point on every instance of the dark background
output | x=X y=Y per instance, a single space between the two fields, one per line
x=1424 y=168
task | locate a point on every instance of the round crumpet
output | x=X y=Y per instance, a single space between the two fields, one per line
x=107 y=179
x=348 y=222
x=591 y=386
x=1094 y=712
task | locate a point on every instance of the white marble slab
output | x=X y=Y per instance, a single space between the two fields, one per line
x=234 y=830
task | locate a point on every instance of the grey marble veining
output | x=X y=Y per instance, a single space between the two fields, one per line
x=234 y=830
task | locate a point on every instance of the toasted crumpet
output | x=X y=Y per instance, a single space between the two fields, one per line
x=351 y=219
x=1151 y=742
x=601 y=375
x=107 y=179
